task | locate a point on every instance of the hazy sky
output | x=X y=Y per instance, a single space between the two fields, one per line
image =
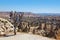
x=38 y=6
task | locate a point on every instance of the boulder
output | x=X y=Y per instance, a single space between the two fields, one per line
x=5 y=26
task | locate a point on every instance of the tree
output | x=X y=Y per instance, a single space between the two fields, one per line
x=13 y=16
x=20 y=21
x=15 y=22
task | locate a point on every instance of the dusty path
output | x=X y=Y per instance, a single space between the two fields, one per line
x=24 y=36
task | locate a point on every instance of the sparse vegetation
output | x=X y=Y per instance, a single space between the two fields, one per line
x=46 y=26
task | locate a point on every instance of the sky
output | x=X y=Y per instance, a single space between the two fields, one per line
x=36 y=6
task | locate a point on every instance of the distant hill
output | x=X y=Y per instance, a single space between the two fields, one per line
x=4 y=15
x=49 y=14
x=29 y=14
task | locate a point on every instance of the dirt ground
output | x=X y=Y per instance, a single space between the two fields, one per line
x=24 y=36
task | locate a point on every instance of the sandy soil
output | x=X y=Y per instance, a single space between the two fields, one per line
x=24 y=36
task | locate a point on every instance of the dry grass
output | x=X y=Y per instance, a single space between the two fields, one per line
x=58 y=37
